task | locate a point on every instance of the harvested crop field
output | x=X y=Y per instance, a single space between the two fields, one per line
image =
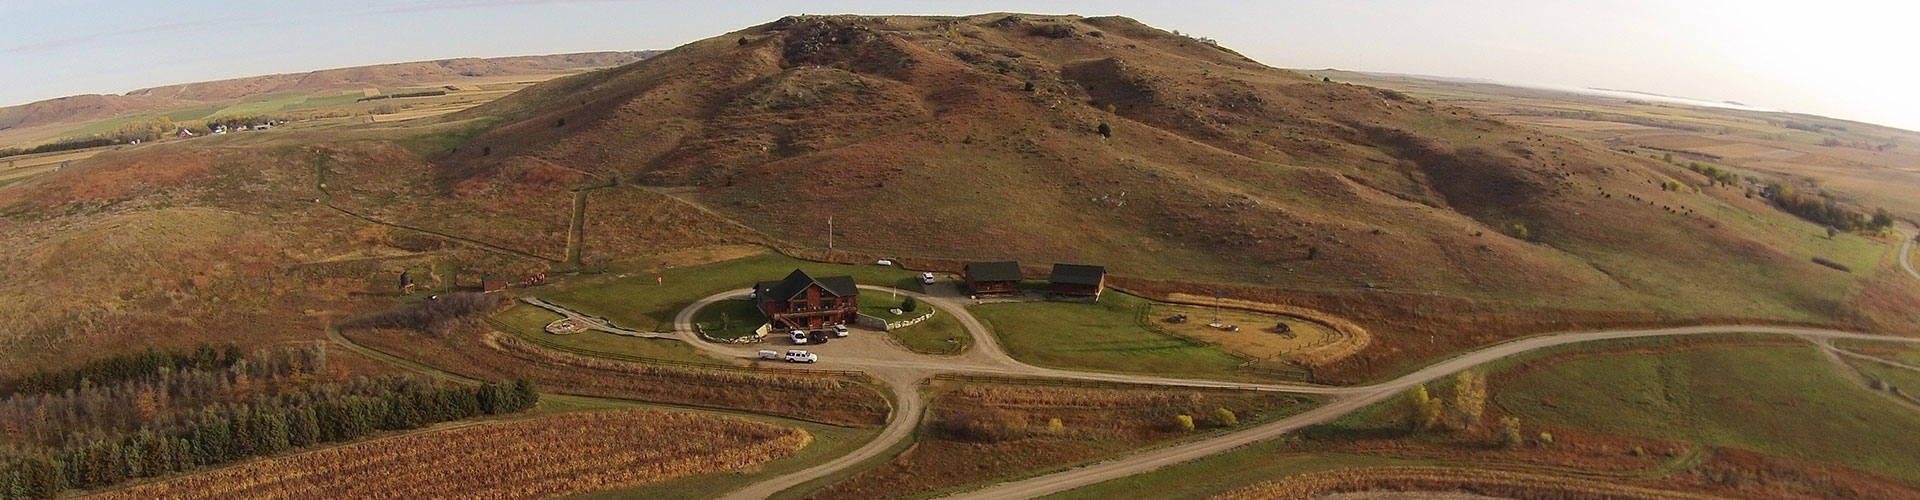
x=539 y=458
x=478 y=353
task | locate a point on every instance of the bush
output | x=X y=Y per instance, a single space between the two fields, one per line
x=908 y=304
x=986 y=426
x=1055 y=427
x=1184 y=422
x=1546 y=439
x=1105 y=130
x=1225 y=418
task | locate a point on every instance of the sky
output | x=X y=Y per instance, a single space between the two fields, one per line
x=1842 y=58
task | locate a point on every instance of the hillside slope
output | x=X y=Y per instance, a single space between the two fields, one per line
x=89 y=107
x=980 y=137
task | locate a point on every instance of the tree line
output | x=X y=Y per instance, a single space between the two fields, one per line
x=157 y=413
x=1823 y=209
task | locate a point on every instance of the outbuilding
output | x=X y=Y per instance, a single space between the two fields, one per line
x=992 y=278
x=1078 y=281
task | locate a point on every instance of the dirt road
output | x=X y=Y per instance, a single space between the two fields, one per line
x=902 y=371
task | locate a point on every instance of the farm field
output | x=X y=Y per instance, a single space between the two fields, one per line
x=993 y=431
x=481 y=353
x=1107 y=336
x=532 y=458
x=1786 y=401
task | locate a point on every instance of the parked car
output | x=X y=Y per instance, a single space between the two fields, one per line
x=839 y=330
x=883 y=262
x=799 y=356
x=764 y=354
x=799 y=337
x=926 y=278
x=818 y=337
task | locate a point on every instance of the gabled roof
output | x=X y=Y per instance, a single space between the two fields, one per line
x=798 y=281
x=994 y=271
x=1077 y=274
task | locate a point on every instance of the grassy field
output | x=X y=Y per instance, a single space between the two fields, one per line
x=1225 y=472
x=529 y=322
x=1106 y=336
x=641 y=303
x=1784 y=401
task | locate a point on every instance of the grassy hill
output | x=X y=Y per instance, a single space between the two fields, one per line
x=933 y=139
x=980 y=136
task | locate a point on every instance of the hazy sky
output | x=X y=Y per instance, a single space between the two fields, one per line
x=1845 y=58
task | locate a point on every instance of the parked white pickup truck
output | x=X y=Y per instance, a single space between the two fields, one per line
x=799 y=356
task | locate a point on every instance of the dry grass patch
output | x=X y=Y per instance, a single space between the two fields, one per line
x=1257 y=337
x=539 y=458
x=478 y=352
x=1503 y=484
x=995 y=431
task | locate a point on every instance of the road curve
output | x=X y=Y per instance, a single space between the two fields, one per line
x=906 y=416
x=987 y=358
x=1906 y=253
x=1357 y=398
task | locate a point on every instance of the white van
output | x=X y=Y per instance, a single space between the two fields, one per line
x=774 y=355
x=799 y=356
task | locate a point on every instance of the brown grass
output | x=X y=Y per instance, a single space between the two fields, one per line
x=477 y=352
x=1503 y=484
x=525 y=459
x=1095 y=422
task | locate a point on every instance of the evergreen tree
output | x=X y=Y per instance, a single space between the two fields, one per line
x=524 y=396
x=303 y=427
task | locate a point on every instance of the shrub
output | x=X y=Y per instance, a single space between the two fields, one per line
x=909 y=304
x=1520 y=231
x=1105 y=130
x=1510 y=430
x=1225 y=418
x=1184 y=422
x=1055 y=427
x=1546 y=439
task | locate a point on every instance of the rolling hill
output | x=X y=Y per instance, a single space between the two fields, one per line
x=79 y=109
x=982 y=136
x=1178 y=164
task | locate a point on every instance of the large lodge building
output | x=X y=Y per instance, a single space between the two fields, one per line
x=802 y=302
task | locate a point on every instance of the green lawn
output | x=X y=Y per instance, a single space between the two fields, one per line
x=730 y=319
x=1786 y=401
x=1107 y=336
x=529 y=322
x=940 y=335
x=638 y=302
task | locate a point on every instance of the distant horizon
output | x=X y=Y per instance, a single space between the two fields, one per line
x=1838 y=65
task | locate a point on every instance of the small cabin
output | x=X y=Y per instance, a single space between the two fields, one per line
x=992 y=278
x=1077 y=281
x=802 y=302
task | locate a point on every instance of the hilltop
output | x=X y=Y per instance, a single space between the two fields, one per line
x=982 y=136
x=935 y=140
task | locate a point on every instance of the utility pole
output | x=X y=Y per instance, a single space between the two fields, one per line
x=1218 y=293
x=829 y=234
